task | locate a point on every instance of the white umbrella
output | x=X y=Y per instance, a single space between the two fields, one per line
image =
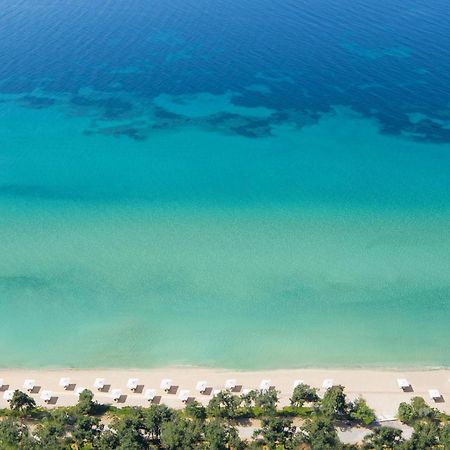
x=99 y=383
x=201 y=386
x=132 y=383
x=46 y=396
x=29 y=384
x=183 y=395
x=296 y=383
x=2 y=382
x=166 y=384
x=150 y=394
x=8 y=395
x=80 y=390
x=116 y=394
x=230 y=384
x=327 y=383
x=434 y=394
x=64 y=382
x=265 y=385
x=403 y=383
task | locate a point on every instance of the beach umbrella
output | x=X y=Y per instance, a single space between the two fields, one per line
x=434 y=394
x=80 y=390
x=150 y=394
x=99 y=383
x=8 y=395
x=183 y=395
x=265 y=385
x=403 y=383
x=29 y=384
x=230 y=384
x=116 y=394
x=166 y=384
x=64 y=382
x=46 y=396
x=327 y=383
x=2 y=382
x=132 y=383
x=296 y=383
x=201 y=386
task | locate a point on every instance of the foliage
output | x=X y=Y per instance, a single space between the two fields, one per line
x=416 y=410
x=383 y=438
x=277 y=432
x=319 y=433
x=85 y=403
x=195 y=410
x=158 y=427
x=21 y=402
x=361 y=412
x=181 y=433
x=303 y=393
x=223 y=405
x=334 y=404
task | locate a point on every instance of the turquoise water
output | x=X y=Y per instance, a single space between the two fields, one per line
x=159 y=206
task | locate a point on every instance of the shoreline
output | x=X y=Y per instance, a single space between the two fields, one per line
x=378 y=386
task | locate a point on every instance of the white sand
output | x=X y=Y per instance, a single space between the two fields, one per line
x=378 y=387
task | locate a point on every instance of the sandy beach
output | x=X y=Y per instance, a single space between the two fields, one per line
x=378 y=387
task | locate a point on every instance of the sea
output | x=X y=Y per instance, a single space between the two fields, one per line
x=242 y=184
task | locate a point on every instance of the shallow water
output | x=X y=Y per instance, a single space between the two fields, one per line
x=233 y=184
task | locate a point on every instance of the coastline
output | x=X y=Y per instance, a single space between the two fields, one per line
x=378 y=386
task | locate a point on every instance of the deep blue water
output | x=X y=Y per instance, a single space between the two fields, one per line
x=384 y=59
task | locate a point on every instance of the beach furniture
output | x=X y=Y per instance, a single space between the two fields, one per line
x=46 y=396
x=116 y=394
x=327 y=383
x=166 y=384
x=296 y=383
x=434 y=394
x=403 y=384
x=8 y=395
x=132 y=383
x=150 y=394
x=264 y=385
x=29 y=385
x=246 y=391
x=216 y=392
x=201 y=386
x=230 y=384
x=183 y=395
x=80 y=390
x=99 y=383
x=64 y=382
x=2 y=382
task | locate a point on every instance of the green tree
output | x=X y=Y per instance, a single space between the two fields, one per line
x=195 y=410
x=277 y=432
x=86 y=430
x=181 y=434
x=426 y=435
x=155 y=417
x=130 y=430
x=21 y=402
x=361 y=412
x=221 y=436
x=85 y=403
x=267 y=401
x=223 y=405
x=416 y=410
x=320 y=434
x=383 y=438
x=334 y=404
x=11 y=433
x=303 y=393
